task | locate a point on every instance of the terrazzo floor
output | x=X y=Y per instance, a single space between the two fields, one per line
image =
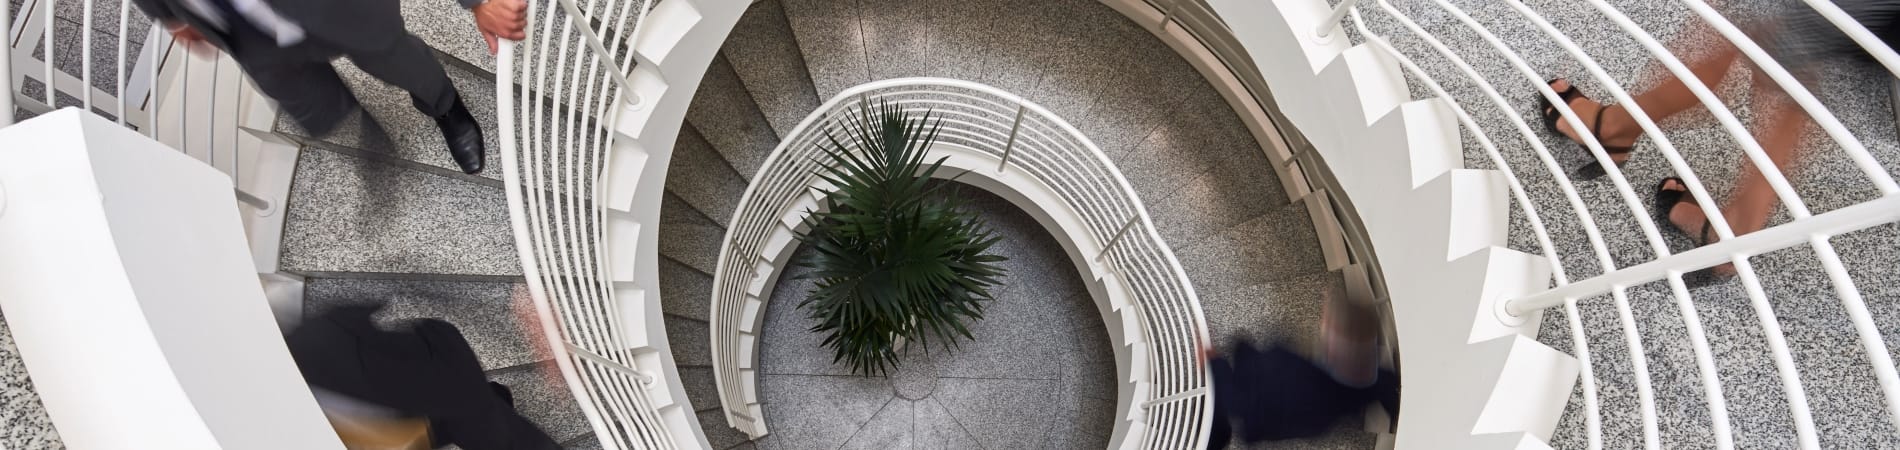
x=1847 y=408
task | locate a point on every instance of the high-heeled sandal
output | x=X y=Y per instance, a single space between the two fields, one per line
x=1594 y=169
x=1666 y=202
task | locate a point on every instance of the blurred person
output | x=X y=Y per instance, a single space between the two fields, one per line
x=1276 y=393
x=416 y=386
x=1797 y=38
x=286 y=47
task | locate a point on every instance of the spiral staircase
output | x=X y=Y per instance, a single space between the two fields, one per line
x=618 y=263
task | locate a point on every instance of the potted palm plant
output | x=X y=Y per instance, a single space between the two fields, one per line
x=894 y=260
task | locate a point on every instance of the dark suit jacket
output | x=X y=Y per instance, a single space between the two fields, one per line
x=343 y=24
x=424 y=370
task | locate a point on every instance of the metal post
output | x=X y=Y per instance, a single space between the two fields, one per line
x=6 y=68
x=1325 y=29
x=1010 y=145
x=49 y=83
x=85 y=56
x=1118 y=237
x=263 y=206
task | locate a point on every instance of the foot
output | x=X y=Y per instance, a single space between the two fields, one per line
x=1591 y=112
x=464 y=137
x=1686 y=215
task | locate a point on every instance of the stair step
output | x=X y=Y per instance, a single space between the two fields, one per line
x=701 y=388
x=701 y=177
x=1235 y=191
x=729 y=121
x=688 y=237
x=684 y=291
x=1275 y=246
x=483 y=311
x=829 y=35
x=1286 y=309
x=690 y=340
x=543 y=398
x=348 y=214
x=450 y=29
x=390 y=124
x=765 y=55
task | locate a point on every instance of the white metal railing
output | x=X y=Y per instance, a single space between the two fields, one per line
x=561 y=93
x=1150 y=294
x=1804 y=227
x=191 y=102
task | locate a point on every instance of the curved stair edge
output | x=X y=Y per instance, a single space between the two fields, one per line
x=1438 y=229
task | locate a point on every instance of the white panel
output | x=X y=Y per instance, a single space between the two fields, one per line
x=635 y=117
x=631 y=302
x=131 y=293
x=761 y=275
x=626 y=161
x=662 y=29
x=749 y=319
x=777 y=243
x=750 y=380
x=746 y=343
x=622 y=234
x=801 y=206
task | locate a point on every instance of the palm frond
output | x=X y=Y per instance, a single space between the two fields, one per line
x=894 y=259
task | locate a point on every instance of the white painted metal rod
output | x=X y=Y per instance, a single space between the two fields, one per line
x=1325 y=29
x=1859 y=33
x=1705 y=364
x=6 y=68
x=48 y=83
x=1830 y=124
x=1865 y=215
x=85 y=55
x=118 y=68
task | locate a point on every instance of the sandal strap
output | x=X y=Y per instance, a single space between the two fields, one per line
x=1596 y=131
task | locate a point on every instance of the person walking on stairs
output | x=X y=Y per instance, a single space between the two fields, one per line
x=418 y=385
x=1796 y=37
x=286 y=47
x=1276 y=392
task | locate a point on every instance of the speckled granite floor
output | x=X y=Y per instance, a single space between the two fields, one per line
x=23 y=420
x=1846 y=403
x=1040 y=371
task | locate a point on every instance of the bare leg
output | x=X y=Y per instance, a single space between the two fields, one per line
x=1778 y=127
x=1666 y=99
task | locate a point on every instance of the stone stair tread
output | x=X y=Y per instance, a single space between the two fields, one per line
x=443 y=24
x=688 y=237
x=389 y=122
x=684 y=291
x=828 y=34
x=483 y=311
x=1286 y=309
x=700 y=177
x=349 y=214
x=729 y=121
x=691 y=342
x=767 y=60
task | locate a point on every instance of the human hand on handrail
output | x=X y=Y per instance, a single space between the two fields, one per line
x=501 y=19
x=193 y=40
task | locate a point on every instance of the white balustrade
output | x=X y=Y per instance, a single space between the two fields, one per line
x=997 y=141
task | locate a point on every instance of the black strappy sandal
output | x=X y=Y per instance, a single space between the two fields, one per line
x=1594 y=169
x=1666 y=202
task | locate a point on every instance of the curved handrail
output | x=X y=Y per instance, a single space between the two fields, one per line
x=1169 y=405
x=556 y=143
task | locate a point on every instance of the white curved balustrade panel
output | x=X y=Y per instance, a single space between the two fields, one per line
x=589 y=106
x=1005 y=144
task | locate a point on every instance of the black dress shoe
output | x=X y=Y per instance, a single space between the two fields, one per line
x=464 y=136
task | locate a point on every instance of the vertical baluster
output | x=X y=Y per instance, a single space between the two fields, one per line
x=118 y=67
x=6 y=68
x=85 y=55
x=48 y=81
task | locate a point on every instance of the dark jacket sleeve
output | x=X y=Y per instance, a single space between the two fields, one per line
x=158 y=9
x=470 y=4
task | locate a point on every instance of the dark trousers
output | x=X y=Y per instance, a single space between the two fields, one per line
x=308 y=89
